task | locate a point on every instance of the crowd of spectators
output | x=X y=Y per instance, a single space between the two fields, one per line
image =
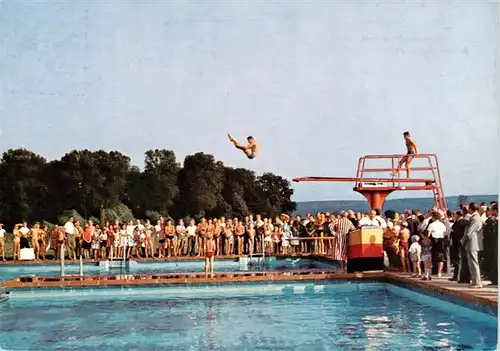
x=423 y=243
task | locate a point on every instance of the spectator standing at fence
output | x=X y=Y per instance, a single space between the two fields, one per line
x=457 y=232
x=352 y=218
x=191 y=234
x=414 y=252
x=472 y=245
x=209 y=250
x=438 y=230
x=490 y=234
x=404 y=239
x=181 y=238
x=340 y=228
x=373 y=220
x=3 y=235
x=69 y=229
x=25 y=232
x=426 y=254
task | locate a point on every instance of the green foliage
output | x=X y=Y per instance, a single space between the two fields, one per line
x=22 y=189
x=49 y=225
x=63 y=218
x=88 y=181
x=95 y=220
x=154 y=216
x=200 y=184
x=120 y=212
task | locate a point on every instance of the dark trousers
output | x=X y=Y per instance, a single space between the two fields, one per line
x=463 y=271
x=455 y=260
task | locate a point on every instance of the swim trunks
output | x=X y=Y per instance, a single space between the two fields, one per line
x=251 y=156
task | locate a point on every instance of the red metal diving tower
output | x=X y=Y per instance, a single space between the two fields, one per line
x=376 y=189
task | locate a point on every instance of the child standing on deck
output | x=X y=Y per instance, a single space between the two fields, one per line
x=426 y=245
x=415 y=250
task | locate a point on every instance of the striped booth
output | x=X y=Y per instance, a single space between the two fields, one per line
x=365 y=250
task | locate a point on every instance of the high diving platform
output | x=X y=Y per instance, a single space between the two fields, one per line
x=376 y=183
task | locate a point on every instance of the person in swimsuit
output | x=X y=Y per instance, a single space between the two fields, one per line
x=42 y=240
x=239 y=231
x=148 y=242
x=202 y=233
x=87 y=241
x=210 y=254
x=251 y=238
x=411 y=148
x=160 y=235
x=251 y=149
x=228 y=233
x=61 y=237
x=404 y=236
x=217 y=234
x=3 y=234
x=35 y=240
x=171 y=243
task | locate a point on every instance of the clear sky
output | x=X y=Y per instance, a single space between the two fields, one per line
x=318 y=83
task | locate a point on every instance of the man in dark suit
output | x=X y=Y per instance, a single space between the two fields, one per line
x=470 y=240
x=490 y=253
x=457 y=232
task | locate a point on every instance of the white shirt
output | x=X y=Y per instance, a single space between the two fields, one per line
x=484 y=217
x=130 y=230
x=141 y=227
x=437 y=229
x=69 y=228
x=2 y=233
x=24 y=230
x=415 y=250
x=377 y=221
x=425 y=223
x=191 y=230
x=180 y=229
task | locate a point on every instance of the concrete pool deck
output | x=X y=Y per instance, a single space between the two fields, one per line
x=488 y=295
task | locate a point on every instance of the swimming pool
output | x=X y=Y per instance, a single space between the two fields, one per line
x=264 y=316
x=151 y=267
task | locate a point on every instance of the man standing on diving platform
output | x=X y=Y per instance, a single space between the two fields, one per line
x=411 y=148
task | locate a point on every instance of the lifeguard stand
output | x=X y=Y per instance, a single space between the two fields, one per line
x=377 y=189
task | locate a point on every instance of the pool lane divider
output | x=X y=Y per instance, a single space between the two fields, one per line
x=165 y=259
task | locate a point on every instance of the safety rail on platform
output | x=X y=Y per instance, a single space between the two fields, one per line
x=429 y=174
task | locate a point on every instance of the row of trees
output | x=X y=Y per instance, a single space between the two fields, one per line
x=105 y=185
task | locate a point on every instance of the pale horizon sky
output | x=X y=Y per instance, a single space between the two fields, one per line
x=318 y=84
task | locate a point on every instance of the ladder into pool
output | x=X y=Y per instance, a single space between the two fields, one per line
x=4 y=294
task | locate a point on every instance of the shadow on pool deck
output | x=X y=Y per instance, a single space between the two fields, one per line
x=488 y=295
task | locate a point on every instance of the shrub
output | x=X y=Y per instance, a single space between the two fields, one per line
x=95 y=220
x=63 y=218
x=154 y=215
x=120 y=212
x=49 y=225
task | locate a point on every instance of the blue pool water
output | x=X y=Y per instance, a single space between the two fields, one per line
x=11 y=271
x=280 y=316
